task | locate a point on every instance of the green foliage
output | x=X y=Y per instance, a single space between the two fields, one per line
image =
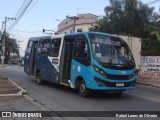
x=130 y=17
x=10 y=47
x=11 y=43
x=150 y=45
x=158 y=36
x=3 y=78
x=1 y=38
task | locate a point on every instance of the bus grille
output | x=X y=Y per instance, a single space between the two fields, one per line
x=118 y=77
x=113 y=84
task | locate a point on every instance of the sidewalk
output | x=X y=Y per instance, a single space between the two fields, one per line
x=149 y=82
x=15 y=98
x=7 y=87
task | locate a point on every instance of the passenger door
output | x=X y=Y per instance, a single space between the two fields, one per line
x=29 y=59
x=75 y=54
x=67 y=60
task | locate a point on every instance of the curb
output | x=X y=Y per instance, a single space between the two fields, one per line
x=147 y=84
x=20 y=93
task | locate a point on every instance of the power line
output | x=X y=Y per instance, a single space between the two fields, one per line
x=32 y=7
x=19 y=16
x=27 y=31
x=20 y=8
x=23 y=11
x=152 y=2
x=18 y=11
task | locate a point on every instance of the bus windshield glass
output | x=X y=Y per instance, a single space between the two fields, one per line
x=110 y=50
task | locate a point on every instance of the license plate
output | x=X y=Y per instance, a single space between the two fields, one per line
x=120 y=84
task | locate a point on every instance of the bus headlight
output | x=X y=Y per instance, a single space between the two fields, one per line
x=100 y=71
x=132 y=75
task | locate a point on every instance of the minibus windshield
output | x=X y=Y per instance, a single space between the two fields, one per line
x=110 y=50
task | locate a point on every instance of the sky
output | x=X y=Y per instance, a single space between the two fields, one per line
x=44 y=13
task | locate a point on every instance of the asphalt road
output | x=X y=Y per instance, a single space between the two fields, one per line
x=56 y=97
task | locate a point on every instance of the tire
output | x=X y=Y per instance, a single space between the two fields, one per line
x=82 y=90
x=39 y=79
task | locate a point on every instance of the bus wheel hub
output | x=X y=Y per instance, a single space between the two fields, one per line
x=82 y=87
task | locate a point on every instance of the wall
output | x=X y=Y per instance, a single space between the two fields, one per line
x=150 y=67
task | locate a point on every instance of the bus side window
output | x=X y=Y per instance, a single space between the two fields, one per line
x=55 y=46
x=39 y=49
x=81 y=49
x=46 y=47
x=29 y=47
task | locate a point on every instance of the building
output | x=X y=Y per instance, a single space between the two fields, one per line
x=79 y=23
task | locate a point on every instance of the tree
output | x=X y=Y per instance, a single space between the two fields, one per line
x=145 y=15
x=128 y=17
x=150 y=45
x=10 y=46
x=132 y=18
x=1 y=37
x=114 y=16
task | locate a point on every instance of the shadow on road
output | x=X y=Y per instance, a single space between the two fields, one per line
x=94 y=94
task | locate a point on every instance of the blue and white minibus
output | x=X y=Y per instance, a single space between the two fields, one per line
x=84 y=61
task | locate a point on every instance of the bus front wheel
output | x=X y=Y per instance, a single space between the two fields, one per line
x=39 y=79
x=82 y=90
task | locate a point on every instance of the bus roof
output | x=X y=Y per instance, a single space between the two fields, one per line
x=38 y=38
x=76 y=33
x=62 y=35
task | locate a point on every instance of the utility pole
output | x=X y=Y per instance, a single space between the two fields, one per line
x=74 y=18
x=4 y=40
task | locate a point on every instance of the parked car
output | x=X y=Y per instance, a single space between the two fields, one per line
x=13 y=61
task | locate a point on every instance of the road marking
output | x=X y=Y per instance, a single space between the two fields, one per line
x=20 y=93
x=144 y=97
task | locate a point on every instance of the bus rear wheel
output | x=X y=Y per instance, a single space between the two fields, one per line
x=39 y=79
x=82 y=90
